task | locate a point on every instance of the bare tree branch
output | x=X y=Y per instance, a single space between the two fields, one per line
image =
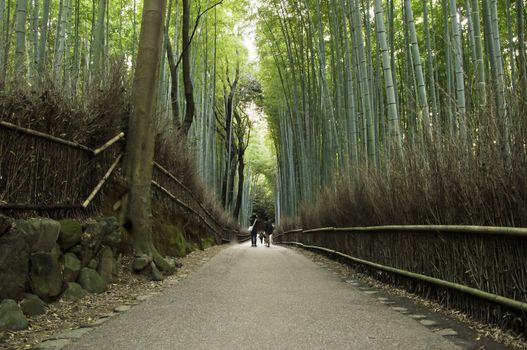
x=200 y=14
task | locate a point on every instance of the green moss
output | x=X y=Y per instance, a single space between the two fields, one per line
x=191 y=246
x=170 y=240
x=206 y=243
x=176 y=241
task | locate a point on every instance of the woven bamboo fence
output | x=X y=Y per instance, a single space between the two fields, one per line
x=41 y=174
x=481 y=271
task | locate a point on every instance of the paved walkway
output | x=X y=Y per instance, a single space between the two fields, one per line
x=262 y=298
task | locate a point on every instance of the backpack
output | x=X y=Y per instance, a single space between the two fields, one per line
x=268 y=227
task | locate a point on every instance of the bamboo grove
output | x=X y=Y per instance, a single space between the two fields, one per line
x=363 y=88
x=204 y=82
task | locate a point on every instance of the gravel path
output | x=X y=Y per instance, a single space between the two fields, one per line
x=261 y=298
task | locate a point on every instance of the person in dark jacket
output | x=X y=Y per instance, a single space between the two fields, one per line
x=255 y=223
x=268 y=229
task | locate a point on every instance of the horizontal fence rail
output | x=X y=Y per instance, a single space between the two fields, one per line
x=481 y=230
x=211 y=217
x=484 y=262
x=187 y=207
x=36 y=133
x=62 y=141
x=461 y=288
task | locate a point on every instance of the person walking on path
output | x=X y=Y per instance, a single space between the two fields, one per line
x=254 y=229
x=268 y=230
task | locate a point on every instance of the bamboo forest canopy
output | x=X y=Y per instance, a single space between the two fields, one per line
x=350 y=89
x=357 y=89
x=206 y=81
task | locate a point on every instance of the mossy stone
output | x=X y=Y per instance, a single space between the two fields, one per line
x=112 y=234
x=46 y=274
x=105 y=266
x=46 y=234
x=15 y=250
x=5 y=224
x=91 y=240
x=93 y=264
x=74 y=291
x=72 y=267
x=90 y=280
x=70 y=233
x=32 y=305
x=11 y=316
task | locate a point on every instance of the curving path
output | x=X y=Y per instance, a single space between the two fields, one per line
x=261 y=298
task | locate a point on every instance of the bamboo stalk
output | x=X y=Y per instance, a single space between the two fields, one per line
x=11 y=126
x=482 y=230
x=498 y=299
x=102 y=182
x=108 y=144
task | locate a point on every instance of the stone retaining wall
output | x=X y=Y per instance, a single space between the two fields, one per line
x=44 y=259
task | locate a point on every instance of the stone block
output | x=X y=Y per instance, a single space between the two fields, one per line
x=73 y=292
x=32 y=305
x=111 y=231
x=46 y=274
x=15 y=251
x=11 y=316
x=91 y=240
x=105 y=266
x=5 y=224
x=70 y=233
x=72 y=267
x=90 y=280
x=46 y=234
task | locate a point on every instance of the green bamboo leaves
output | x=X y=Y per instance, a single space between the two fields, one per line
x=360 y=79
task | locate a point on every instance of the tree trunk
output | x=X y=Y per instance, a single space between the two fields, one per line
x=241 y=179
x=431 y=71
x=480 y=65
x=98 y=39
x=76 y=53
x=141 y=138
x=521 y=44
x=33 y=39
x=418 y=70
x=162 y=78
x=393 y=115
x=173 y=86
x=459 y=72
x=59 y=42
x=3 y=29
x=187 y=81
x=20 y=48
x=43 y=39
x=7 y=46
x=230 y=152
